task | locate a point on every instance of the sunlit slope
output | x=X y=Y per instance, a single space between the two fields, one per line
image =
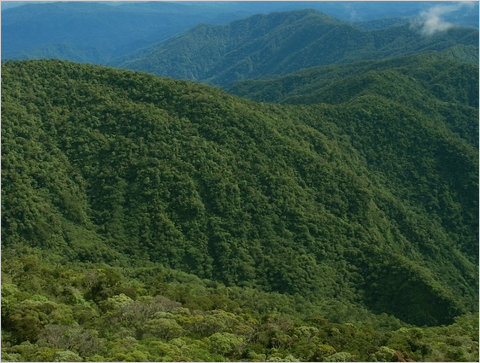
x=365 y=202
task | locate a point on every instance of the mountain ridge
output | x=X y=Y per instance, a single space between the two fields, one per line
x=434 y=84
x=163 y=170
x=221 y=55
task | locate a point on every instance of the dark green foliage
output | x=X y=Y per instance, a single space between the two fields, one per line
x=443 y=89
x=302 y=211
x=443 y=93
x=281 y=43
x=446 y=79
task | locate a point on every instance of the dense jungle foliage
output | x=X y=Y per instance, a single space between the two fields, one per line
x=441 y=88
x=51 y=312
x=285 y=42
x=342 y=231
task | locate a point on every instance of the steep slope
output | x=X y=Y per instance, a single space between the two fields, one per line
x=443 y=89
x=368 y=204
x=281 y=43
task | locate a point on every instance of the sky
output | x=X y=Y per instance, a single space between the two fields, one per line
x=357 y=8
x=431 y=16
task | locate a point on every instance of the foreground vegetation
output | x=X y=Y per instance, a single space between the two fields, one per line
x=53 y=312
x=316 y=232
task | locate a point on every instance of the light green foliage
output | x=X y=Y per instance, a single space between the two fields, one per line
x=157 y=328
x=278 y=358
x=226 y=343
x=67 y=356
x=323 y=351
x=163 y=328
x=340 y=357
x=117 y=302
x=384 y=354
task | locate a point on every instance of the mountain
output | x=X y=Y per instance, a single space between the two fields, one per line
x=281 y=43
x=369 y=202
x=97 y=32
x=112 y=33
x=431 y=83
x=385 y=23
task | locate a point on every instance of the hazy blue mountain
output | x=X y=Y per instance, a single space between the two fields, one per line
x=280 y=43
x=384 y=23
x=97 y=31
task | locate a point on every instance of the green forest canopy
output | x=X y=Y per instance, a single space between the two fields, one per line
x=367 y=206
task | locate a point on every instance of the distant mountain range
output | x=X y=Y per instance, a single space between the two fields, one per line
x=280 y=43
x=96 y=32
x=100 y=32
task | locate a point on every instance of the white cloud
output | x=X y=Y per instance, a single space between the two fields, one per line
x=431 y=21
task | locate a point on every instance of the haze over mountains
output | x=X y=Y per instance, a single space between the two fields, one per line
x=93 y=32
x=280 y=43
x=99 y=32
x=323 y=206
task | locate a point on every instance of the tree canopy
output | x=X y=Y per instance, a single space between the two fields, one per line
x=118 y=185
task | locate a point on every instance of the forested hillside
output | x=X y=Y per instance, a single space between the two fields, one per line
x=441 y=88
x=113 y=182
x=281 y=43
x=53 y=311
